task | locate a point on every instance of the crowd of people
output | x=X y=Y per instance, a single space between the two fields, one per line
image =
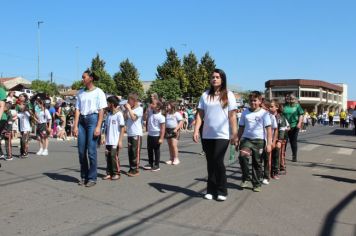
x=259 y=133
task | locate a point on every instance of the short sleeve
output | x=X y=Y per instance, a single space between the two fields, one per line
x=102 y=100
x=274 y=122
x=267 y=120
x=162 y=120
x=242 y=119
x=121 y=120
x=48 y=115
x=232 y=101
x=139 y=112
x=178 y=116
x=201 y=103
x=300 y=111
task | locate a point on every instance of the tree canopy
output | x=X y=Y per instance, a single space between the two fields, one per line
x=45 y=86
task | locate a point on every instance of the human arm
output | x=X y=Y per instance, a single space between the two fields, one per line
x=130 y=113
x=97 y=130
x=162 y=132
x=122 y=132
x=269 y=139
x=76 y=122
x=198 y=122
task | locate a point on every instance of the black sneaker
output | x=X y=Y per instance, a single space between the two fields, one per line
x=156 y=168
x=90 y=184
x=294 y=159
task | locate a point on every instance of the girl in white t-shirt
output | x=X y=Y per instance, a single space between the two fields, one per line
x=25 y=129
x=174 y=122
x=44 y=124
x=217 y=106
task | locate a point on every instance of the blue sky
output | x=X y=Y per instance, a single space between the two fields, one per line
x=252 y=40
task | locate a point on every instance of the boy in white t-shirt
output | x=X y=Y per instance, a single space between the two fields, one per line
x=254 y=122
x=25 y=129
x=156 y=129
x=133 y=114
x=114 y=132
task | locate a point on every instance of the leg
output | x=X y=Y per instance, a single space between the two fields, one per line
x=92 y=144
x=157 y=152
x=171 y=149
x=82 y=150
x=211 y=183
x=293 y=137
x=108 y=149
x=150 y=146
x=220 y=170
x=175 y=150
x=245 y=154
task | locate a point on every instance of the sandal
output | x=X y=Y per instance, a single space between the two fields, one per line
x=107 y=177
x=115 y=177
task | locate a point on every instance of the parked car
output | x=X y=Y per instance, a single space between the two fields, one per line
x=29 y=92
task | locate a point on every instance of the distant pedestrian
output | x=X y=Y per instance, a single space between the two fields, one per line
x=343 y=116
x=88 y=119
x=174 y=122
x=25 y=129
x=293 y=112
x=44 y=123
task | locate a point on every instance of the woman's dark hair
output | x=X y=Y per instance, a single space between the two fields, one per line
x=223 y=90
x=173 y=106
x=91 y=74
x=113 y=100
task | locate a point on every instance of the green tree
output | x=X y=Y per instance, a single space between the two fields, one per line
x=45 y=86
x=127 y=80
x=77 y=85
x=168 y=89
x=191 y=70
x=206 y=69
x=172 y=69
x=105 y=82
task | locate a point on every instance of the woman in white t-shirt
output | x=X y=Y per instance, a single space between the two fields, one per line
x=88 y=118
x=174 y=122
x=217 y=107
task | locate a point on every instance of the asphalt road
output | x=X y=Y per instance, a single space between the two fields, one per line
x=39 y=195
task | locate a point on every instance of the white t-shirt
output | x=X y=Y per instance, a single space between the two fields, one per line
x=44 y=116
x=24 y=118
x=216 y=118
x=89 y=102
x=274 y=125
x=154 y=124
x=134 y=128
x=113 y=124
x=172 y=120
x=255 y=123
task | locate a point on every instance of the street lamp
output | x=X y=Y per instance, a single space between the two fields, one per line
x=38 y=41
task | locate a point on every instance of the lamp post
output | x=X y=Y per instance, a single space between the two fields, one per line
x=38 y=41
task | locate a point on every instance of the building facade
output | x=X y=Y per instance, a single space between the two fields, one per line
x=313 y=95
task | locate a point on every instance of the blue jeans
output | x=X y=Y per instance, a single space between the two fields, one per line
x=87 y=144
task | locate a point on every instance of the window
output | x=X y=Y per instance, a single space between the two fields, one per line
x=310 y=94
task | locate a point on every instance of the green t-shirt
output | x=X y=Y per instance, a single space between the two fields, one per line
x=3 y=98
x=292 y=114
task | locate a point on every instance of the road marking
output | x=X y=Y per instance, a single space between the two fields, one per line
x=309 y=147
x=345 y=151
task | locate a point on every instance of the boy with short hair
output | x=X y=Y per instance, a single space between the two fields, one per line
x=133 y=114
x=252 y=126
x=114 y=132
x=156 y=129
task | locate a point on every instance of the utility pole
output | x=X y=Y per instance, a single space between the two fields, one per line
x=51 y=77
x=38 y=42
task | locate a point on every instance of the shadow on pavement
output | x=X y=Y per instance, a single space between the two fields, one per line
x=336 y=178
x=331 y=218
x=344 y=132
x=64 y=178
x=322 y=165
x=324 y=144
x=171 y=188
x=188 y=152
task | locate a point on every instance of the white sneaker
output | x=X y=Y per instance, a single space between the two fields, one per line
x=221 y=198
x=45 y=152
x=176 y=162
x=208 y=196
x=2 y=157
x=265 y=181
x=39 y=152
x=169 y=162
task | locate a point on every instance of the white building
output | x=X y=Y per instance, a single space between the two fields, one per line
x=312 y=94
